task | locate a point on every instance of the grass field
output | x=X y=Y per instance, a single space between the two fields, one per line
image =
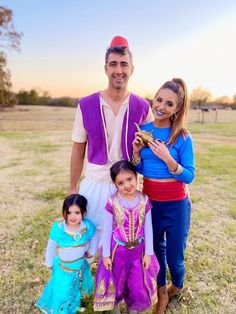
x=34 y=178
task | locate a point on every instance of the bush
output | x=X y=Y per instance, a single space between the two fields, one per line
x=63 y=101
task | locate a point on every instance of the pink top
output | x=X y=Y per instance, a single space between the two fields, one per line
x=128 y=221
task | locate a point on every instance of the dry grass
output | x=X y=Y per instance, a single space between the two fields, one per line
x=34 y=178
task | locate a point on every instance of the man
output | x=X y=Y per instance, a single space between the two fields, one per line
x=104 y=123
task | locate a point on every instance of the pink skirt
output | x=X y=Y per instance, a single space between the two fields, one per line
x=127 y=281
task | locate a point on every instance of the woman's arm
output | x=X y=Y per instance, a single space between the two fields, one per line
x=183 y=171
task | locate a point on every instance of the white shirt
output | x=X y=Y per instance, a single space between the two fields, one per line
x=100 y=173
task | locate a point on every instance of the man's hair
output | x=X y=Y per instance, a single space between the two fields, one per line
x=118 y=50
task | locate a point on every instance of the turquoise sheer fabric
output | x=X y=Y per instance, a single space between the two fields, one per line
x=69 y=280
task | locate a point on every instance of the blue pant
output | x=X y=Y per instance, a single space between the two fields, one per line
x=171 y=221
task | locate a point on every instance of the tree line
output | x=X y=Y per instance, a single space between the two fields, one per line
x=34 y=97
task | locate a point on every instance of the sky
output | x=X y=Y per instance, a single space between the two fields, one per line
x=64 y=43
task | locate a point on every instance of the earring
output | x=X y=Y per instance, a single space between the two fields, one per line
x=174 y=117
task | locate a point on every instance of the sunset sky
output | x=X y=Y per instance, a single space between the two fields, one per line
x=64 y=43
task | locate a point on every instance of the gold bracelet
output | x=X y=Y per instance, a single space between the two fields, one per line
x=178 y=170
x=135 y=161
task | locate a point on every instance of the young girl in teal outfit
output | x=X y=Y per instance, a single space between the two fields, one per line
x=74 y=239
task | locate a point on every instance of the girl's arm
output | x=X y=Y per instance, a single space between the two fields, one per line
x=107 y=234
x=106 y=239
x=148 y=237
x=148 y=234
x=50 y=252
x=93 y=245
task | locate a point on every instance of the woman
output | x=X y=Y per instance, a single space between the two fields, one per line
x=167 y=165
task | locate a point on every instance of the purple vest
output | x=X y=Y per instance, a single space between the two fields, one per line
x=93 y=123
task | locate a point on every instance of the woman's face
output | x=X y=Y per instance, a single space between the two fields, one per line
x=165 y=104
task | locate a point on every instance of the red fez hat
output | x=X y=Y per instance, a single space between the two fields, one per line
x=119 y=41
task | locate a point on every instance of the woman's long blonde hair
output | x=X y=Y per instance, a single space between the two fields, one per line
x=179 y=119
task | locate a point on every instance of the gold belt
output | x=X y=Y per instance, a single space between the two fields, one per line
x=69 y=270
x=69 y=262
x=129 y=244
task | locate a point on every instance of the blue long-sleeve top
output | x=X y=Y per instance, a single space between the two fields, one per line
x=182 y=151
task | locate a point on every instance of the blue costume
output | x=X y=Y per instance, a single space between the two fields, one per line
x=182 y=151
x=70 y=279
x=171 y=207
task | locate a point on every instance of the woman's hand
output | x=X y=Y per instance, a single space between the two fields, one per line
x=107 y=263
x=146 y=261
x=137 y=143
x=160 y=150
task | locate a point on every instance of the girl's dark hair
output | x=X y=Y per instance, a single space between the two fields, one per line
x=74 y=199
x=122 y=165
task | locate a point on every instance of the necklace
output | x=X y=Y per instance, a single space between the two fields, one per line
x=76 y=235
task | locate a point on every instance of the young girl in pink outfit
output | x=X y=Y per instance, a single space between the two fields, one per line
x=128 y=269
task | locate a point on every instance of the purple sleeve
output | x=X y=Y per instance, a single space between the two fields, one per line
x=148 y=234
x=50 y=252
x=148 y=205
x=109 y=207
x=107 y=234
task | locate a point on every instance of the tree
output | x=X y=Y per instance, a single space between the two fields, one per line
x=28 y=98
x=33 y=98
x=9 y=39
x=200 y=97
x=233 y=105
x=224 y=101
x=62 y=101
x=6 y=96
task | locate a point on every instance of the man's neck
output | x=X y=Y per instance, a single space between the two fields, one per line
x=115 y=95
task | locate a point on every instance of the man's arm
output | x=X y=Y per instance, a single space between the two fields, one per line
x=76 y=165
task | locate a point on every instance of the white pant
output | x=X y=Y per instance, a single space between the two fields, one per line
x=97 y=195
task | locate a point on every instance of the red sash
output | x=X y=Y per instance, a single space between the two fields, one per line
x=165 y=191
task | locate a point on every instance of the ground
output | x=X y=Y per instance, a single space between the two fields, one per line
x=34 y=178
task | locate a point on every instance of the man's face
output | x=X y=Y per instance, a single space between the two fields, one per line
x=118 y=69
